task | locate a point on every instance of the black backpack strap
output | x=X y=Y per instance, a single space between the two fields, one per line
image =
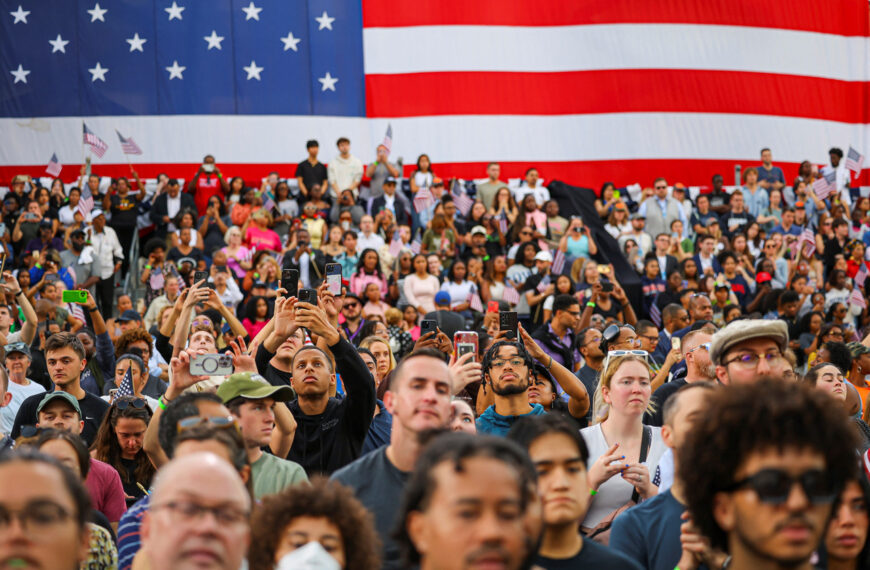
x=645 y=441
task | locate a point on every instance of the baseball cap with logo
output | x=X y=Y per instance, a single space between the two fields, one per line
x=58 y=395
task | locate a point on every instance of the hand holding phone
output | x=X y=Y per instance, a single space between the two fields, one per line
x=333 y=278
x=508 y=321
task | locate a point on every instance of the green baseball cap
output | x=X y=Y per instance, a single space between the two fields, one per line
x=58 y=395
x=252 y=386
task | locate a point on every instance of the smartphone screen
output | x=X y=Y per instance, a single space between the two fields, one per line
x=507 y=321
x=333 y=278
x=290 y=281
x=676 y=343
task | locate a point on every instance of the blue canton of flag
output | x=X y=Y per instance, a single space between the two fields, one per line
x=126 y=387
x=221 y=57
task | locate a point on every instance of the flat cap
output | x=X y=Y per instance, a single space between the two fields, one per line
x=747 y=329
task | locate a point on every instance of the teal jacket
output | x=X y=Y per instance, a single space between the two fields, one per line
x=492 y=423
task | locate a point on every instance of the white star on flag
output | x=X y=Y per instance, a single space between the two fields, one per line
x=328 y=82
x=98 y=72
x=290 y=42
x=58 y=44
x=214 y=40
x=97 y=13
x=252 y=12
x=174 y=11
x=20 y=15
x=253 y=71
x=325 y=21
x=20 y=74
x=136 y=43
x=175 y=70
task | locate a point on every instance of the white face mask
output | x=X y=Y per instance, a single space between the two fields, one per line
x=208 y=167
x=345 y=225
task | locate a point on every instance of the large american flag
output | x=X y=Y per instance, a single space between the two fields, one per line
x=585 y=90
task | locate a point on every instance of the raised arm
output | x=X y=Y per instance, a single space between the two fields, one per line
x=571 y=384
x=28 y=330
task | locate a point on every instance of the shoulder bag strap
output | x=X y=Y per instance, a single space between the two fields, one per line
x=645 y=441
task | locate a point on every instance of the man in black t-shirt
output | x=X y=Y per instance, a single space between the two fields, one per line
x=560 y=454
x=310 y=171
x=65 y=360
x=535 y=298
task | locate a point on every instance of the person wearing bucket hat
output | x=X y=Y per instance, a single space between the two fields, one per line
x=750 y=349
x=254 y=403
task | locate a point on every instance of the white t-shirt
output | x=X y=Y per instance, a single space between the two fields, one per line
x=19 y=394
x=616 y=491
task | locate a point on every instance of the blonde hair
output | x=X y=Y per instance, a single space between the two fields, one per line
x=368 y=341
x=393 y=315
x=601 y=410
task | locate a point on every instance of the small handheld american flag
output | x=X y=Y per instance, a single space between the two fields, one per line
x=854 y=160
x=128 y=146
x=475 y=303
x=558 y=262
x=126 y=387
x=542 y=286
x=54 y=166
x=857 y=298
x=423 y=199
x=395 y=244
x=861 y=276
x=511 y=295
x=98 y=146
x=416 y=244
x=655 y=314
x=388 y=138
x=503 y=223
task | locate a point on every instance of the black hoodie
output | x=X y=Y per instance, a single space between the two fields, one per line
x=327 y=442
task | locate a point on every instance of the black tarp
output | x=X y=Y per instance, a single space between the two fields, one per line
x=576 y=201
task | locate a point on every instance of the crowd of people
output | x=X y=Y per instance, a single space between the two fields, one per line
x=354 y=369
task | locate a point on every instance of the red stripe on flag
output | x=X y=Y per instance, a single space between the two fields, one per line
x=579 y=173
x=613 y=91
x=848 y=19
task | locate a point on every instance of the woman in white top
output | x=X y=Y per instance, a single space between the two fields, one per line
x=622 y=397
x=422 y=176
x=420 y=287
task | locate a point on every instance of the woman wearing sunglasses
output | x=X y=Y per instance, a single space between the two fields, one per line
x=623 y=453
x=828 y=378
x=119 y=443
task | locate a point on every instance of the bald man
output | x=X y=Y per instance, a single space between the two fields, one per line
x=197 y=521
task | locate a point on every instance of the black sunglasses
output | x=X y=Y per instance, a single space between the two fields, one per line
x=137 y=403
x=773 y=486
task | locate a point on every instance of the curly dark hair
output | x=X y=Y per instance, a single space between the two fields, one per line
x=123 y=342
x=322 y=498
x=746 y=419
x=486 y=365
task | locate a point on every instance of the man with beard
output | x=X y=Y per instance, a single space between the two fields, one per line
x=650 y=533
x=330 y=431
x=353 y=320
x=419 y=400
x=748 y=350
x=760 y=471
x=470 y=503
x=696 y=352
x=65 y=358
x=507 y=369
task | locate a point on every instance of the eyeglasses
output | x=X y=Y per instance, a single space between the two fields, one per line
x=351 y=305
x=661 y=187
x=649 y=337
x=750 y=360
x=501 y=363
x=706 y=346
x=220 y=422
x=37 y=516
x=137 y=403
x=188 y=511
x=773 y=486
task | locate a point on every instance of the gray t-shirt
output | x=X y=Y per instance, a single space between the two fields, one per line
x=378 y=485
x=376 y=186
x=19 y=394
x=83 y=271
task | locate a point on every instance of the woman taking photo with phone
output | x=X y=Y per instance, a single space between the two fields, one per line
x=577 y=243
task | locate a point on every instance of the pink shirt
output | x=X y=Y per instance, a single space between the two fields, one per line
x=255 y=327
x=106 y=490
x=262 y=239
